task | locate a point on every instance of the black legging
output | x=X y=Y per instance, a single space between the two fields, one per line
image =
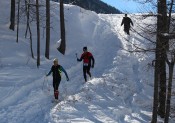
x=56 y=83
x=126 y=29
x=86 y=69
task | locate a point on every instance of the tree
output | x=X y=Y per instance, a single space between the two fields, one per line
x=170 y=65
x=170 y=79
x=160 y=61
x=62 y=46
x=47 y=28
x=162 y=48
x=12 y=15
x=27 y=9
x=38 y=33
x=17 y=35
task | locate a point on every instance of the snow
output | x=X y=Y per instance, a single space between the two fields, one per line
x=120 y=90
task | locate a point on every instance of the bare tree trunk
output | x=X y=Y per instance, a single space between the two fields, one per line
x=62 y=46
x=170 y=12
x=31 y=42
x=162 y=28
x=38 y=33
x=156 y=84
x=168 y=102
x=162 y=90
x=27 y=7
x=160 y=65
x=171 y=69
x=12 y=15
x=27 y=15
x=17 y=35
x=169 y=19
x=47 y=29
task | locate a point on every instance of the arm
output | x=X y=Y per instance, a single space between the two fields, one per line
x=62 y=69
x=131 y=22
x=93 y=61
x=80 y=58
x=122 y=22
x=49 y=72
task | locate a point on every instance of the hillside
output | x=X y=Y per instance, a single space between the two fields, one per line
x=120 y=90
x=95 y=5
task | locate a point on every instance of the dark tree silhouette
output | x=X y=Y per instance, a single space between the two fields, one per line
x=12 y=15
x=38 y=33
x=62 y=46
x=47 y=29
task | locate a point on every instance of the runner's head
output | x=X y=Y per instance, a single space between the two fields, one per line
x=85 y=49
x=55 y=61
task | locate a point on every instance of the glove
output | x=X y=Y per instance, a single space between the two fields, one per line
x=67 y=79
x=92 y=66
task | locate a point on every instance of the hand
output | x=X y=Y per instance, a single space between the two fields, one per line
x=92 y=66
x=67 y=79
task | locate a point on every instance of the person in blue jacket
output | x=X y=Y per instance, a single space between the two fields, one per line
x=56 y=70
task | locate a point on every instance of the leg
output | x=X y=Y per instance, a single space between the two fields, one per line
x=56 y=93
x=84 y=73
x=88 y=71
x=56 y=85
x=125 y=29
x=128 y=31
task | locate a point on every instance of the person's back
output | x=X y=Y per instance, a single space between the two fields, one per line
x=126 y=21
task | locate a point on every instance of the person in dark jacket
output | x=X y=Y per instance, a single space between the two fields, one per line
x=87 y=57
x=127 y=21
x=56 y=70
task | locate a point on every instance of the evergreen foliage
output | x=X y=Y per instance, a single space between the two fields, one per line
x=95 y=5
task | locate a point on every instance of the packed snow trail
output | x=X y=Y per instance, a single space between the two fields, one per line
x=119 y=95
x=22 y=97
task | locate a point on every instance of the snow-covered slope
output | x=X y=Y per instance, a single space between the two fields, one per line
x=120 y=90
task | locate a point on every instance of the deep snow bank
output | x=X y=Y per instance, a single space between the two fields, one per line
x=23 y=98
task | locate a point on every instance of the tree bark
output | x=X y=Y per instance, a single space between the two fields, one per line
x=38 y=33
x=27 y=7
x=168 y=101
x=160 y=65
x=17 y=35
x=31 y=42
x=162 y=28
x=62 y=46
x=27 y=15
x=47 y=29
x=156 y=84
x=12 y=15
